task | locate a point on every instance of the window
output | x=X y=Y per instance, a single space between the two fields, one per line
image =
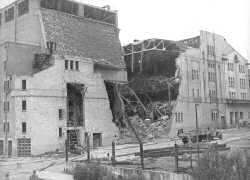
x=60 y=132
x=179 y=117
x=66 y=64
x=243 y=83
x=24 y=105
x=23 y=7
x=232 y=95
x=77 y=65
x=198 y=92
x=71 y=65
x=243 y=96
x=211 y=76
x=9 y=14
x=24 y=127
x=214 y=115
x=230 y=67
x=241 y=115
x=231 y=117
x=0 y=19
x=60 y=113
x=241 y=69
x=6 y=127
x=195 y=74
x=231 y=81
x=6 y=86
x=210 y=50
x=23 y=84
x=248 y=115
x=6 y=106
x=193 y=92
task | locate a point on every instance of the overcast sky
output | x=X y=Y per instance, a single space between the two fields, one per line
x=179 y=19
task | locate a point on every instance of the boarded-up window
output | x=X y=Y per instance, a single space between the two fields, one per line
x=23 y=147
x=23 y=7
x=9 y=14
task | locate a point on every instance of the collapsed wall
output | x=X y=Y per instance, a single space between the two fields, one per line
x=152 y=90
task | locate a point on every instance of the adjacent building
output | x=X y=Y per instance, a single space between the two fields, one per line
x=55 y=59
x=213 y=80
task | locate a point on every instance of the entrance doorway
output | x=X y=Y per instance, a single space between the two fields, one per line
x=9 y=148
x=97 y=140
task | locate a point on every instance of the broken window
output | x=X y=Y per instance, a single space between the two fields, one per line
x=24 y=127
x=66 y=64
x=71 y=65
x=9 y=14
x=23 y=7
x=24 y=105
x=23 y=84
x=60 y=132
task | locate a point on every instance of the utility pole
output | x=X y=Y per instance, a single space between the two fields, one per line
x=197 y=131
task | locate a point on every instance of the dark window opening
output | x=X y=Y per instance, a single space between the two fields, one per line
x=24 y=127
x=23 y=7
x=77 y=65
x=71 y=65
x=60 y=132
x=6 y=86
x=66 y=65
x=60 y=111
x=6 y=106
x=9 y=14
x=241 y=115
x=23 y=84
x=75 y=107
x=24 y=105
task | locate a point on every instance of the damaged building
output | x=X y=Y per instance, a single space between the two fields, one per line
x=173 y=79
x=56 y=57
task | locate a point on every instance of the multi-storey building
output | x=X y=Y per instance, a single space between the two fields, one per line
x=54 y=61
x=213 y=76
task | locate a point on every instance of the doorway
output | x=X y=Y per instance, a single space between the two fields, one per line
x=1 y=147
x=9 y=148
x=97 y=140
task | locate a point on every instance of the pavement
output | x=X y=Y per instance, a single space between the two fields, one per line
x=22 y=168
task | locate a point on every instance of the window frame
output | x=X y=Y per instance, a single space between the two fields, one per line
x=24 y=127
x=24 y=105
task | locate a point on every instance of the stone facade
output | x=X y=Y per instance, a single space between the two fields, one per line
x=33 y=113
